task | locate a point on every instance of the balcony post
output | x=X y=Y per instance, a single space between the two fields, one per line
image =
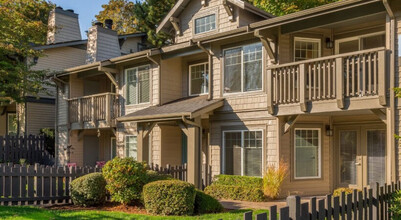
x=339 y=83
x=93 y=114
x=382 y=64
x=80 y=113
x=302 y=85
x=108 y=109
x=269 y=91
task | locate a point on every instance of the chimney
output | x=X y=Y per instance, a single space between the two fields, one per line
x=108 y=23
x=102 y=43
x=63 y=26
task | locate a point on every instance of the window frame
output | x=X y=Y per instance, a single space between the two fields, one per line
x=205 y=64
x=223 y=158
x=310 y=40
x=242 y=70
x=137 y=89
x=358 y=37
x=125 y=146
x=204 y=16
x=8 y=125
x=319 y=176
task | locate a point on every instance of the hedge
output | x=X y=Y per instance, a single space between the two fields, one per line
x=152 y=176
x=169 y=197
x=233 y=180
x=89 y=190
x=206 y=204
x=242 y=193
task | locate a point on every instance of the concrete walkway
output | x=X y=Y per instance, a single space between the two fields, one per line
x=235 y=204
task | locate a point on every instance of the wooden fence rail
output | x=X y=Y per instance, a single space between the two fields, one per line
x=370 y=203
x=177 y=172
x=31 y=148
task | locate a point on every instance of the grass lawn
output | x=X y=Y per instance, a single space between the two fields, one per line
x=43 y=214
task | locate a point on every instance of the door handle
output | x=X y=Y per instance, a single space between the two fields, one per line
x=357 y=164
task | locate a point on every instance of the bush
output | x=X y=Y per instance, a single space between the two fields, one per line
x=233 y=180
x=155 y=176
x=48 y=134
x=169 y=197
x=273 y=179
x=89 y=190
x=243 y=193
x=206 y=204
x=125 y=179
x=395 y=205
x=337 y=192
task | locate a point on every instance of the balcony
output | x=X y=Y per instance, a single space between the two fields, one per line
x=349 y=81
x=94 y=111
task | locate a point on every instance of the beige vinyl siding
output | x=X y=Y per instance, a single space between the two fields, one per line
x=171 y=150
x=171 y=80
x=398 y=102
x=63 y=137
x=67 y=28
x=62 y=107
x=76 y=86
x=246 y=17
x=77 y=153
x=130 y=45
x=58 y=59
x=39 y=115
x=107 y=46
x=156 y=145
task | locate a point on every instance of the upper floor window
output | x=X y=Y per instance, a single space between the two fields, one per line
x=243 y=68
x=205 y=24
x=306 y=48
x=138 y=85
x=198 y=79
x=12 y=124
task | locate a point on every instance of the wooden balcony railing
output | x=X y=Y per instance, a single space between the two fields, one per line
x=93 y=109
x=357 y=74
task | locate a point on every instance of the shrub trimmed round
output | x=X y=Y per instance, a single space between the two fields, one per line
x=205 y=203
x=89 y=190
x=169 y=197
x=125 y=179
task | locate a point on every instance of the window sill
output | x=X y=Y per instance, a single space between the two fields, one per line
x=244 y=94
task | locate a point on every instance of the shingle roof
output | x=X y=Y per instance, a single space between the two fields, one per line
x=187 y=107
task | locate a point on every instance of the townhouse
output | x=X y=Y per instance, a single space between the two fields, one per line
x=240 y=89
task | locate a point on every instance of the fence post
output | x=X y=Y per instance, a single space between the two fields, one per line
x=261 y=216
x=248 y=215
x=284 y=213
x=294 y=204
x=273 y=213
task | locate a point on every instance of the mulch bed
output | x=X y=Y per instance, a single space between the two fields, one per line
x=108 y=206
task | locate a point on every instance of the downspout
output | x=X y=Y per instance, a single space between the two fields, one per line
x=149 y=56
x=210 y=68
x=56 y=146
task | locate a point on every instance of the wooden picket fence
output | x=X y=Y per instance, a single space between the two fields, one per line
x=370 y=203
x=31 y=148
x=38 y=184
x=177 y=172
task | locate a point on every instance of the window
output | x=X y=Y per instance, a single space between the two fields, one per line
x=363 y=42
x=242 y=153
x=205 y=24
x=306 y=48
x=113 y=146
x=131 y=147
x=199 y=78
x=307 y=153
x=243 y=69
x=138 y=85
x=12 y=124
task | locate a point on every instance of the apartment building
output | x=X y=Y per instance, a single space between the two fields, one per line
x=240 y=89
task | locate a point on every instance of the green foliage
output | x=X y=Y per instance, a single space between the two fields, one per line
x=122 y=14
x=233 y=180
x=273 y=179
x=242 y=193
x=152 y=176
x=89 y=190
x=338 y=191
x=48 y=134
x=169 y=197
x=204 y=203
x=283 y=7
x=23 y=23
x=395 y=205
x=125 y=179
x=148 y=14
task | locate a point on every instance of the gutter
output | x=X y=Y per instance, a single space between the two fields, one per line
x=210 y=68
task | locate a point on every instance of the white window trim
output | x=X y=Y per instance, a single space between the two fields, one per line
x=8 y=122
x=126 y=85
x=319 y=154
x=223 y=159
x=111 y=147
x=190 y=78
x=203 y=16
x=125 y=145
x=307 y=39
x=337 y=42
x=242 y=72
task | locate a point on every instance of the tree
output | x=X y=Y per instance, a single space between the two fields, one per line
x=283 y=7
x=121 y=12
x=148 y=14
x=23 y=23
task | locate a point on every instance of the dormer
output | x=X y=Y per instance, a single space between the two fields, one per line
x=196 y=18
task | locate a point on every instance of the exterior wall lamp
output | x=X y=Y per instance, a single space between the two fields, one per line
x=329 y=43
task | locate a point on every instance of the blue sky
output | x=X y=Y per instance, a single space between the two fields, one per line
x=87 y=9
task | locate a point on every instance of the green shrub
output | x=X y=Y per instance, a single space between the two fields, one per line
x=155 y=176
x=89 y=190
x=243 y=193
x=337 y=192
x=169 y=197
x=125 y=179
x=395 y=205
x=273 y=179
x=204 y=204
x=233 y=180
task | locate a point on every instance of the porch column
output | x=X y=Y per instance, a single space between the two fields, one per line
x=194 y=154
x=142 y=145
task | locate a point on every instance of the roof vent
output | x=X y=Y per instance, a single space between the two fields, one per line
x=108 y=23
x=70 y=10
x=98 y=23
x=59 y=7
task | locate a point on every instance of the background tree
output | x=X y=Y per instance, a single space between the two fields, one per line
x=121 y=12
x=283 y=7
x=23 y=23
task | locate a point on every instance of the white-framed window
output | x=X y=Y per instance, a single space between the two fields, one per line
x=199 y=79
x=12 y=127
x=131 y=146
x=243 y=68
x=138 y=85
x=361 y=42
x=307 y=155
x=113 y=148
x=243 y=152
x=205 y=24
x=306 y=48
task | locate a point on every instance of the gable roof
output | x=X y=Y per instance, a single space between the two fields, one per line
x=181 y=4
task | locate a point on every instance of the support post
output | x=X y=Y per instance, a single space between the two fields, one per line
x=140 y=144
x=108 y=109
x=269 y=91
x=382 y=64
x=339 y=83
x=302 y=84
x=194 y=149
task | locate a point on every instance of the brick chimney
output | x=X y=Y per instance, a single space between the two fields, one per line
x=102 y=42
x=63 y=26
